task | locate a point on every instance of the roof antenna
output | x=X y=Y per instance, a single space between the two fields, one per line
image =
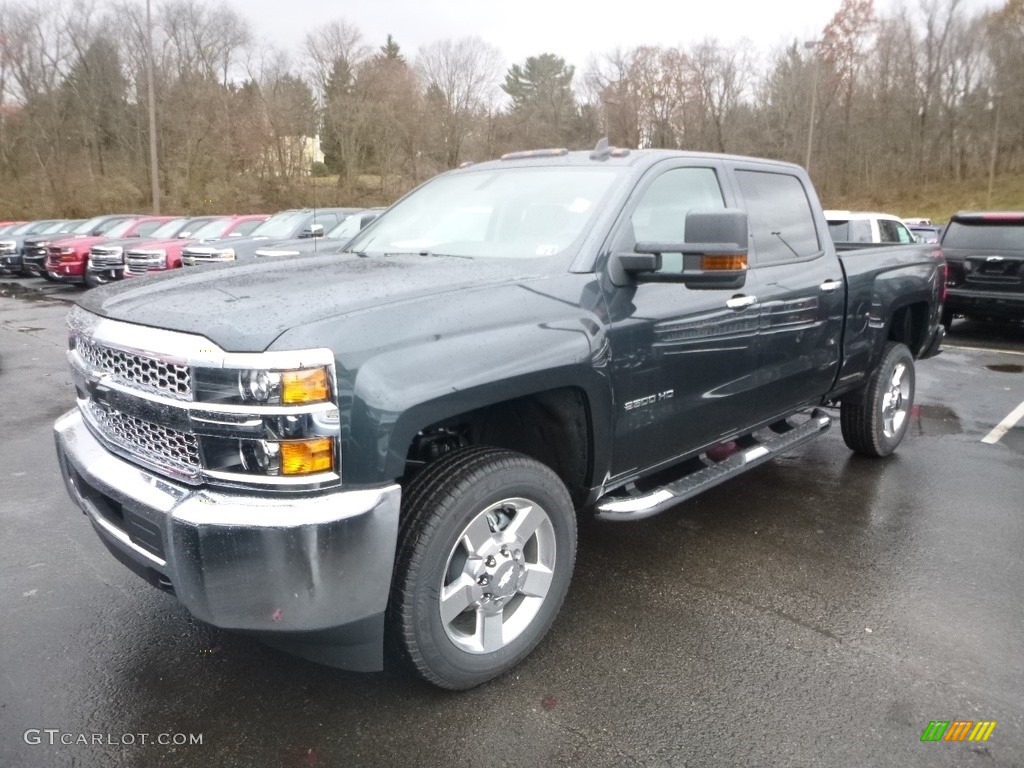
x=602 y=151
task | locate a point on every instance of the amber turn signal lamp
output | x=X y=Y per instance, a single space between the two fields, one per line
x=304 y=457
x=723 y=263
x=309 y=386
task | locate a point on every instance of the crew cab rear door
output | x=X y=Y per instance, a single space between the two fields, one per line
x=683 y=359
x=800 y=291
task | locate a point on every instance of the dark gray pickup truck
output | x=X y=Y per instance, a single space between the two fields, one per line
x=396 y=440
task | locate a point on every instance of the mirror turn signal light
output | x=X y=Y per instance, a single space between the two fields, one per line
x=723 y=263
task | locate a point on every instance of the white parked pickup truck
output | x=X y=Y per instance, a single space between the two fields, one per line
x=866 y=227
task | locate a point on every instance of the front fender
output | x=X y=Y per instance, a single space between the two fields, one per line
x=400 y=392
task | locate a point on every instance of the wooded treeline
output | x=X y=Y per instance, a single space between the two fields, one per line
x=933 y=92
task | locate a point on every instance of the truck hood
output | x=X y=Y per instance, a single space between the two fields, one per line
x=79 y=242
x=243 y=308
x=142 y=244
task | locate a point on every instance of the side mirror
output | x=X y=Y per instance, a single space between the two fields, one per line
x=714 y=253
x=313 y=230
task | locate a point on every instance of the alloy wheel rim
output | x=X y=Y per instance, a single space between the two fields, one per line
x=497 y=576
x=896 y=401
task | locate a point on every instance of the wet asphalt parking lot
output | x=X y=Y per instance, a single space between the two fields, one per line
x=820 y=610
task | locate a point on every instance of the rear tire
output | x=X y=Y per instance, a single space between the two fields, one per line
x=875 y=420
x=484 y=560
x=947 y=319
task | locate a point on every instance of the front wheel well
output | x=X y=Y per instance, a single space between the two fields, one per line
x=552 y=427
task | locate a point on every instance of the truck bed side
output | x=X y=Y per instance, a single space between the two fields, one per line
x=893 y=292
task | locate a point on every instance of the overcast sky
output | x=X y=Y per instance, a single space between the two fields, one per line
x=571 y=29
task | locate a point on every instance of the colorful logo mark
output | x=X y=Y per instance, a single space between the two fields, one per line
x=958 y=730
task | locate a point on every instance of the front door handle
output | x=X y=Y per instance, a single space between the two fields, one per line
x=740 y=302
x=831 y=285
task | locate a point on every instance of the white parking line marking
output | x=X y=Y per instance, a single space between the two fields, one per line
x=1004 y=426
x=982 y=349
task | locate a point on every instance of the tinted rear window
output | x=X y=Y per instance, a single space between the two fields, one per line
x=853 y=231
x=1001 y=235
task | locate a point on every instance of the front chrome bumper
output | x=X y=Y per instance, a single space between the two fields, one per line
x=273 y=564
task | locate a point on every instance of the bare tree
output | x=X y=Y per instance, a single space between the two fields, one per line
x=461 y=80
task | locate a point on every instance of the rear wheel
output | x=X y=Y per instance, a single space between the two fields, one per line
x=875 y=421
x=947 y=319
x=485 y=558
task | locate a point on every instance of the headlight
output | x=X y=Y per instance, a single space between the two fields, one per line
x=224 y=254
x=7 y=245
x=285 y=387
x=67 y=251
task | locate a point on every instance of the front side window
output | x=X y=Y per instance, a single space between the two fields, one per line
x=781 y=222
x=660 y=216
x=510 y=212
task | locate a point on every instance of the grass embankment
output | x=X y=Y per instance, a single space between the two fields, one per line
x=938 y=200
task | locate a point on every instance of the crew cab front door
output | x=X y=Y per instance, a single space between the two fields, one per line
x=683 y=360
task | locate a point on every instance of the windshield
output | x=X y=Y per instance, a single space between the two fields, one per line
x=493 y=213
x=61 y=226
x=169 y=229
x=118 y=229
x=22 y=229
x=212 y=230
x=282 y=224
x=347 y=229
x=87 y=226
x=989 y=235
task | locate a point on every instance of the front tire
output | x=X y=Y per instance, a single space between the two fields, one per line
x=874 y=422
x=485 y=557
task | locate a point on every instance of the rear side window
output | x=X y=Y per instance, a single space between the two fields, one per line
x=851 y=231
x=1004 y=236
x=781 y=221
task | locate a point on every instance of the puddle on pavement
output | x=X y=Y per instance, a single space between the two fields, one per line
x=24 y=293
x=1006 y=368
x=935 y=420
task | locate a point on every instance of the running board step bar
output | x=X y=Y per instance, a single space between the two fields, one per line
x=754 y=451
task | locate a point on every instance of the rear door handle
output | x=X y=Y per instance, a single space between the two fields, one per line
x=740 y=302
x=831 y=285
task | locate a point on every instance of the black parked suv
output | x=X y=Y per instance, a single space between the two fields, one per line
x=286 y=225
x=985 y=257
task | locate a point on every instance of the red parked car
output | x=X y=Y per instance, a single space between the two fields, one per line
x=68 y=259
x=160 y=255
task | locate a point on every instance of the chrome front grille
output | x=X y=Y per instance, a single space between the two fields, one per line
x=136 y=370
x=106 y=257
x=152 y=443
x=141 y=262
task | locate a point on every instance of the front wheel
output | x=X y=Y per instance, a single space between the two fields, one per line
x=484 y=561
x=874 y=422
